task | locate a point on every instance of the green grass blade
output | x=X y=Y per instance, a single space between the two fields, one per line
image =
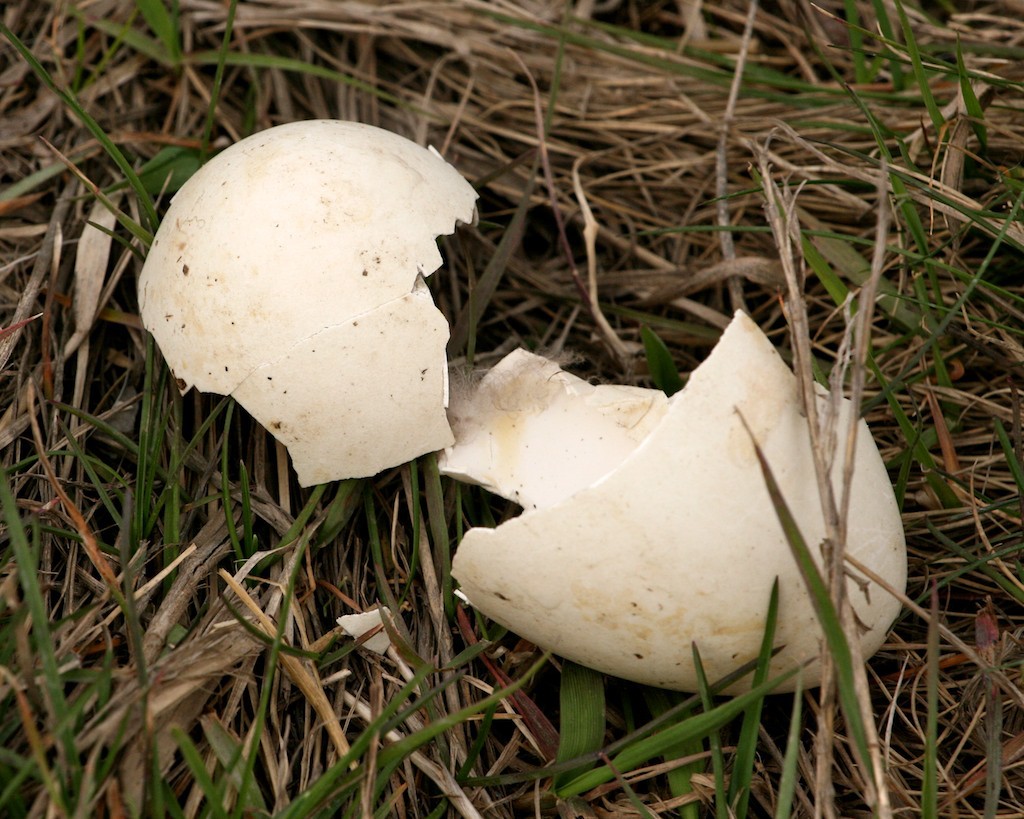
x=971 y=101
x=477 y=747
x=582 y=716
x=437 y=521
x=343 y=506
x=169 y=169
x=150 y=444
x=823 y=270
x=861 y=74
x=680 y=777
x=787 y=781
x=91 y=467
x=659 y=361
x=127 y=603
x=917 y=447
x=229 y=749
x=376 y=544
x=1010 y=454
x=641 y=809
x=746 y=745
x=715 y=741
x=212 y=791
x=30 y=182
x=247 y=538
x=828 y=617
x=163 y=22
x=218 y=78
x=225 y=486
x=920 y=74
x=887 y=29
x=125 y=33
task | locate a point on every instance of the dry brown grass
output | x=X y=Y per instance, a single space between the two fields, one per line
x=640 y=123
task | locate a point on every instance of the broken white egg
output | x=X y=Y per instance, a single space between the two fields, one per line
x=655 y=545
x=288 y=272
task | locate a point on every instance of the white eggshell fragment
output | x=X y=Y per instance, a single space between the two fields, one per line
x=356 y=625
x=679 y=543
x=535 y=434
x=293 y=261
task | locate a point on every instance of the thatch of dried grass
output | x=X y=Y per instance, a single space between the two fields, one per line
x=169 y=668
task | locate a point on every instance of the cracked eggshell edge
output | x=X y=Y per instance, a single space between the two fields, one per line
x=536 y=434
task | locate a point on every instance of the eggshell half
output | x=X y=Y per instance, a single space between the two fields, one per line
x=680 y=543
x=277 y=247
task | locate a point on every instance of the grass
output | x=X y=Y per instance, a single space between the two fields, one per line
x=168 y=597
